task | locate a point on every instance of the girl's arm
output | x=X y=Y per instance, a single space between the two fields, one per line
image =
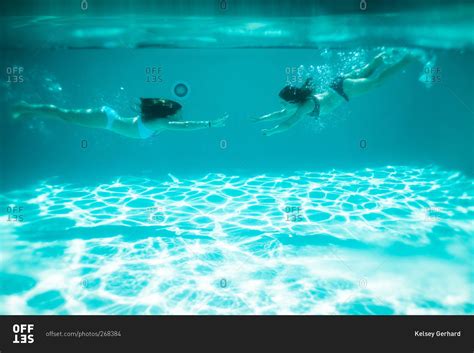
x=188 y=125
x=288 y=123
x=196 y=125
x=278 y=115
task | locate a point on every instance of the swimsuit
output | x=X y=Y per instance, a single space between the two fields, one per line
x=337 y=85
x=143 y=131
x=112 y=115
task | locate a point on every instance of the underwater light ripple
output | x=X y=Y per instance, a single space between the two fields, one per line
x=223 y=245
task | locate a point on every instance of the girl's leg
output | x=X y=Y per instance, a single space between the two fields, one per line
x=368 y=69
x=86 y=117
x=394 y=68
x=355 y=87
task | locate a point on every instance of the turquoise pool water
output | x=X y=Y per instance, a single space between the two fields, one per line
x=368 y=210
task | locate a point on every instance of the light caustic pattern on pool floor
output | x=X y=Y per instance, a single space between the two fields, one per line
x=393 y=240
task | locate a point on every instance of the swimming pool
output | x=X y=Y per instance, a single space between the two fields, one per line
x=368 y=210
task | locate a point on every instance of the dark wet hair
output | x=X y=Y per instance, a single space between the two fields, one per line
x=294 y=94
x=157 y=108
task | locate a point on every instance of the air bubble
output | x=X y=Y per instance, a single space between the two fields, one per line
x=181 y=90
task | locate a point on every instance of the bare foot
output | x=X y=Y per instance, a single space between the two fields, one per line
x=419 y=55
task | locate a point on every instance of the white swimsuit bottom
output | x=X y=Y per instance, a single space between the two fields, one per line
x=112 y=115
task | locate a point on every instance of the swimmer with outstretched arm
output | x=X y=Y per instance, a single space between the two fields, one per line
x=301 y=101
x=156 y=115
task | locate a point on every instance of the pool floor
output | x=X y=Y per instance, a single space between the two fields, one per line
x=391 y=240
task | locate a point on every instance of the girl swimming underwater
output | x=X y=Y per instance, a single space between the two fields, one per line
x=302 y=101
x=156 y=115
